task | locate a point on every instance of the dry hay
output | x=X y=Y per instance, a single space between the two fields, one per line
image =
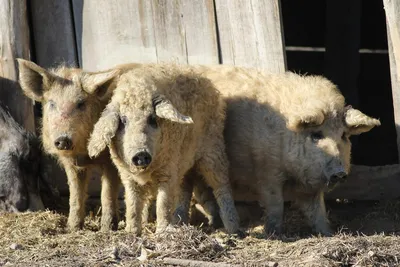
x=41 y=239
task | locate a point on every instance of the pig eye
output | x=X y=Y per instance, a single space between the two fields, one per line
x=81 y=104
x=124 y=120
x=151 y=120
x=52 y=104
x=315 y=136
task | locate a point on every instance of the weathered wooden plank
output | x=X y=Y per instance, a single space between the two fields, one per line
x=392 y=10
x=14 y=43
x=251 y=34
x=146 y=31
x=369 y=183
x=116 y=32
x=185 y=32
x=53 y=33
x=201 y=32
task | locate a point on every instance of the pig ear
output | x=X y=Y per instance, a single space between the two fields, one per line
x=99 y=83
x=34 y=80
x=358 y=122
x=302 y=121
x=104 y=130
x=165 y=109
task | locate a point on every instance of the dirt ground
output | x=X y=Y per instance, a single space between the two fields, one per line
x=368 y=234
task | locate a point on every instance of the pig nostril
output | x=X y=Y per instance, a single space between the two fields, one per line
x=141 y=159
x=63 y=143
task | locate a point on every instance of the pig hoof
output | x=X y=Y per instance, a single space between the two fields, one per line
x=137 y=231
x=239 y=234
x=75 y=226
x=108 y=224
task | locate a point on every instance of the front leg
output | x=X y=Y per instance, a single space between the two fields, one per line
x=313 y=208
x=271 y=198
x=110 y=183
x=165 y=199
x=77 y=181
x=134 y=196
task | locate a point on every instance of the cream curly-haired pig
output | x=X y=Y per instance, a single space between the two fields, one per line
x=287 y=136
x=161 y=122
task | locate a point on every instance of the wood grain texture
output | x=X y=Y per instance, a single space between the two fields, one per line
x=185 y=32
x=251 y=34
x=14 y=43
x=392 y=10
x=116 y=32
x=53 y=33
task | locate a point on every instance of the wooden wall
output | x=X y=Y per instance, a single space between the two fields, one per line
x=98 y=34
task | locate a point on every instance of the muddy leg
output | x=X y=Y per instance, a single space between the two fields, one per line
x=208 y=205
x=313 y=207
x=78 y=182
x=134 y=206
x=109 y=198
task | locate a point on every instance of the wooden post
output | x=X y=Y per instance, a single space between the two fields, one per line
x=251 y=34
x=392 y=10
x=14 y=43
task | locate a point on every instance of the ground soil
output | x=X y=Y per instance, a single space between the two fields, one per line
x=367 y=234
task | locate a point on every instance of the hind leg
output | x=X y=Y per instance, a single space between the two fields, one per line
x=214 y=169
x=110 y=184
x=313 y=208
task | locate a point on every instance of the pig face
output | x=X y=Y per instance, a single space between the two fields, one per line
x=133 y=123
x=324 y=151
x=72 y=101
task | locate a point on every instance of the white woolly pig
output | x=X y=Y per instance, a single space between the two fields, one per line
x=153 y=144
x=287 y=136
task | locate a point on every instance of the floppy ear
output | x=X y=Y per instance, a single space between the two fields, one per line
x=165 y=109
x=358 y=122
x=304 y=120
x=104 y=130
x=99 y=83
x=34 y=80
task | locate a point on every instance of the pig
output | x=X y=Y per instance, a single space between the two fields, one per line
x=162 y=122
x=72 y=101
x=19 y=166
x=287 y=137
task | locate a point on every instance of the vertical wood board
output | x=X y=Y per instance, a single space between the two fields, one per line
x=251 y=34
x=392 y=10
x=14 y=43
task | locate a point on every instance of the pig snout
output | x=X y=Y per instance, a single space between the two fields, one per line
x=141 y=159
x=338 y=177
x=22 y=203
x=335 y=175
x=63 y=143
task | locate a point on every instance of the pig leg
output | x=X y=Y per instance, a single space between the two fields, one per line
x=271 y=198
x=134 y=197
x=109 y=198
x=165 y=198
x=78 y=182
x=214 y=169
x=205 y=198
x=181 y=213
x=313 y=207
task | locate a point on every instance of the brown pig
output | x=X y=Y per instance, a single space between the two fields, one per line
x=72 y=102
